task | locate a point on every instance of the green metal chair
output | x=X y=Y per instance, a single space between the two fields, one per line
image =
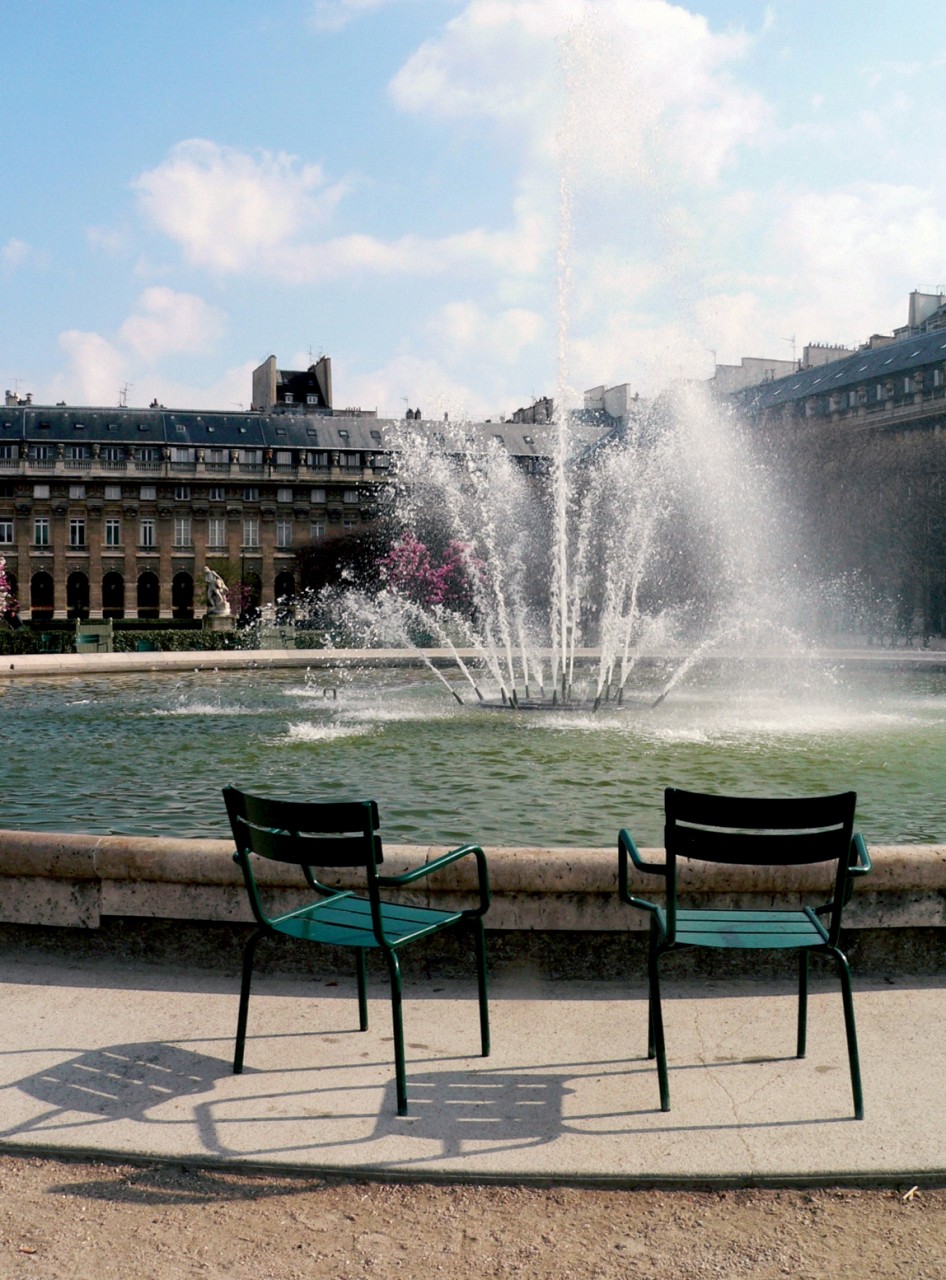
x=317 y=835
x=772 y=833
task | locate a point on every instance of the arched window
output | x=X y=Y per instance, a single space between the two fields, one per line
x=252 y=594
x=41 y=597
x=77 y=595
x=182 y=596
x=148 y=595
x=285 y=590
x=113 y=595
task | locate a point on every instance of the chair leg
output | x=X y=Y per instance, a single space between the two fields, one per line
x=480 y=939
x=844 y=972
x=362 y=989
x=802 y=1004
x=249 y=952
x=651 y=1048
x=400 y=1075
x=657 y=1028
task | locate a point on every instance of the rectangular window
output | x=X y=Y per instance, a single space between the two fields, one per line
x=217 y=493
x=148 y=492
x=113 y=493
x=317 y=496
x=182 y=455
x=77 y=491
x=253 y=457
x=42 y=452
x=288 y=397
x=318 y=460
x=6 y=531
x=112 y=453
x=317 y=530
x=350 y=461
x=350 y=522
x=40 y=490
x=251 y=493
x=216 y=532
x=350 y=496
x=182 y=531
x=146 y=536
x=283 y=458
x=182 y=492
x=113 y=532
x=8 y=453
x=77 y=531
x=284 y=495
x=283 y=533
x=251 y=532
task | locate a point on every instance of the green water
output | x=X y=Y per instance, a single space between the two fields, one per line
x=148 y=755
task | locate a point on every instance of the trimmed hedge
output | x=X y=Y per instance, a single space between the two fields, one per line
x=165 y=640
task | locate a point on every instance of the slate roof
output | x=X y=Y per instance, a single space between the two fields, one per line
x=281 y=430
x=900 y=357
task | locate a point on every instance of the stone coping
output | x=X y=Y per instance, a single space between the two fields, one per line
x=72 y=879
x=14 y=666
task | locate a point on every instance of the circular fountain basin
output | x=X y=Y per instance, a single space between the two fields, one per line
x=147 y=754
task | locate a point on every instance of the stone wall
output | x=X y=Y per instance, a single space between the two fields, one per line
x=75 y=881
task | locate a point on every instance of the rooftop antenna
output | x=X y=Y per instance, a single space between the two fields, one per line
x=123 y=394
x=792 y=341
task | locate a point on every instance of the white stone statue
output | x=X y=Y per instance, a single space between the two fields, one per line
x=218 y=597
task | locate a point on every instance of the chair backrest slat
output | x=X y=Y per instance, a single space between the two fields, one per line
x=760 y=832
x=780 y=848
x=313 y=834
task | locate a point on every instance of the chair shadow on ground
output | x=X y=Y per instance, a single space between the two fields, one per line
x=470 y=1112
x=458 y=1110
x=117 y=1082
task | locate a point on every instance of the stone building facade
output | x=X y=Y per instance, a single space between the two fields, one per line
x=115 y=512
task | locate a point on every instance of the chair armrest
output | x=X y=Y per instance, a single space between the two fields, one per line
x=445 y=859
x=627 y=847
x=863 y=864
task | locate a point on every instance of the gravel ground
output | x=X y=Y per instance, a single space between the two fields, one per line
x=97 y=1221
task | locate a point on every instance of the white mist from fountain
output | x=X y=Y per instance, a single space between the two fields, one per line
x=631 y=558
x=629 y=561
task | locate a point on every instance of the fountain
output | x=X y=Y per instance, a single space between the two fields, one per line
x=603 y=580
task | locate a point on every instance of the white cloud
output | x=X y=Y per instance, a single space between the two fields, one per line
x=407 y=381
x=853 y=254
x=333 y=15
x=97 y=369
x=234 y=212
x=625 y=91
x=633 y=347
x=228 y=209
x=468 y=330
x=15 y=253
x=168 y=322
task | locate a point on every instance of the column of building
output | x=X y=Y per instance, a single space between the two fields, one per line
x=94 y=536
x=199 y=530
x=60 y=569
x=165 y=538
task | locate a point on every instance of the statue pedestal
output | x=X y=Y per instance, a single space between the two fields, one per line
x=219 y=622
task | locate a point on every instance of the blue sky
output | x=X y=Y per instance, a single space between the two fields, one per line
x=465 y=203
